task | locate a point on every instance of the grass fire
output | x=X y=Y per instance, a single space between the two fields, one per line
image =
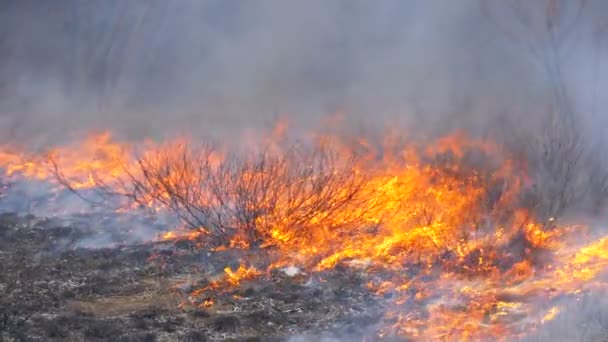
x=303 y=171
x=443 y=235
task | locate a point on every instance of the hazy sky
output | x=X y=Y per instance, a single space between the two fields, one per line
x=150 y=67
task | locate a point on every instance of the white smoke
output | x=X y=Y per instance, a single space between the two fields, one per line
x=151 y=68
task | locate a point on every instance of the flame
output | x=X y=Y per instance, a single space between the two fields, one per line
x=551 y=314
x=208 y=303
x=458 y=253
x=97 y=156
x=182 y=234
x=170 y=235
x=242 y=273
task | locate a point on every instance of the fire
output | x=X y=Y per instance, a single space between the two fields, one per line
x=230 y=279
x=169 y=236
x=242 y=273
x=551 y=314
x=443 y=223
x=182 y=234
x=208 y=303
x=98 y=156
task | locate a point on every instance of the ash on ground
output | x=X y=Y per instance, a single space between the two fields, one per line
x=53 y=290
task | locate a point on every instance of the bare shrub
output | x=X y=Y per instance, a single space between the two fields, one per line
x=557 y=154
x=565 y=162
x=248 y=195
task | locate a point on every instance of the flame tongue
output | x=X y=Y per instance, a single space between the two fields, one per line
x=458 y=254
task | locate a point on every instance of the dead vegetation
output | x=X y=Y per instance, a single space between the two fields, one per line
x=565 y=157
x=414 y=215
x=119 y=294
x=244 y=195
x=22 y=293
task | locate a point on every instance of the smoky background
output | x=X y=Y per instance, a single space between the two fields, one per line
x=144 y=68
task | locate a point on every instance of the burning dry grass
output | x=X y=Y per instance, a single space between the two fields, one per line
x=444 y=229
x=317 y=206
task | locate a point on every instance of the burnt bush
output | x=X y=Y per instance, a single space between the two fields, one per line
x=247 y=195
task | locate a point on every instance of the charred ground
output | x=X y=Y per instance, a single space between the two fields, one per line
x=132 y=293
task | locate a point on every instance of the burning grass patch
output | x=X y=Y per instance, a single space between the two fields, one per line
x=423 y=242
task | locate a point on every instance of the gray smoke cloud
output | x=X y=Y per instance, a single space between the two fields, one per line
x=152 y=68
x=149 y=68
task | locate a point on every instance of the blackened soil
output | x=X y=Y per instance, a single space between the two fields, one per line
x=52 y=291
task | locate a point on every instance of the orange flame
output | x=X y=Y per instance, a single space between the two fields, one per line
x=466 y=260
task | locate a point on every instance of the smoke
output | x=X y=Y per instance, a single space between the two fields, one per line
x=228 y=69
x=151 y=68
x=579 y=319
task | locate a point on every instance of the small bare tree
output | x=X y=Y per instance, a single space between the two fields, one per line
x=251 y=196
x=565 y=162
